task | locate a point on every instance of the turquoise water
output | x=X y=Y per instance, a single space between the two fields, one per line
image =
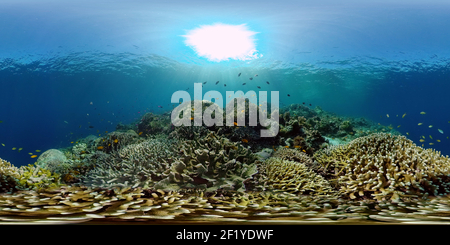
x=69 y=65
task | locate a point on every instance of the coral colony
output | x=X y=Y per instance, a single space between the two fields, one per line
x=318 y=167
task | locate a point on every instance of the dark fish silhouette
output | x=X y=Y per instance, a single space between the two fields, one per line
x=259 y=87
x=243 y=83
x=289 y=95
x=224 y=85
x=310 y=105
x=267 y=82
x=239 y=74
x=91 y=126
x=303 y=102
x=217 y=82
x=256 y=75
x=204 y=83
x=251 y=78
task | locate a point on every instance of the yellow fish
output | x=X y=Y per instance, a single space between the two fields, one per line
x=14 y=148
x=419 y=124
x=430 y=137
x=116 y=140
x=140 y=133
x=286 y=146
x=404 y=115
x=20 y=149
x=71 y=142
x=423 y=136
x=407 y=133
x=38 y=150
x=29 y=153
x=296 y=146
x=235 y=124
x=33 y=156
x=438 y=140
x=3 y=144
x=390 y=127
x=423 y=113
x=430 y=126
x=399 y=126
x=421 y=140
x=100 y=148
x=431 y=143
x=245 y=140
x=387 y=115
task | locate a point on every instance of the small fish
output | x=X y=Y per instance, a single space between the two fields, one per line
x=310 y=105
x=243 y=83
x=259 y=87
x=286 y=146
x=245 y=140
x=256 y=75
x=430 y=137
x=38 y=150
x=243 y=111
x=1 y=121
x=204 y=83
x=3 y=144
x=116 y=141
x=224 y=85
x=390 y=127
x=66 y=122
x=239 y=74
x=160 y=106
x=14 y=148
x=430 y=126
x=192 y=118
x=419 y=124
x=235 y=123
x=423 y=137
x=251 y=78
x=423 y=113
x=100 y=148
x=422 y=140
x=399 y=126
x=438 y=140
x=267 y=82
x=296 y=146
x=404 y=115
x=431 y=143
x=407 y=133
x=441 y=131
x=71 y=142
x=303 y=102
x=387 y=115
x=217 y=82
x=140 y=133
x=33 y=156
x=91 y=126
x=91 y=103
x=29 y=153
x=288 y=95
x=304 y=150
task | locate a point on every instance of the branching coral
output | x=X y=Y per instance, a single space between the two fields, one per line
x=37 y=177
x=142 y=164
x=9 y=175
x=116 y=140
x=212 y=163
x=385 y=166
x=276 y=174
x=295 y=155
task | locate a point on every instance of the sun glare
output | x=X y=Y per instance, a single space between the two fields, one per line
x=220 y=42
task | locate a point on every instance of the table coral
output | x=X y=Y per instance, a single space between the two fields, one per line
x=385 y=167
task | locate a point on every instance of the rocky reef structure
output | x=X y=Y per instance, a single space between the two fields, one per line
x=278 y=175
x=383 y=166
x=114 y=141
x=151 y=124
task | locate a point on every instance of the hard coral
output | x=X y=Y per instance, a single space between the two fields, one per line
x=37 y=177
x=212 y=163
x=384 y=166
x=276 y=174
x=9 y=175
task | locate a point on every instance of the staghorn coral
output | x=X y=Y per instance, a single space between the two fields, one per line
x=9 y=175
x=385 y=167
x=276 y=174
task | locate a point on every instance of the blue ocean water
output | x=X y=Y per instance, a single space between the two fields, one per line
x=69 y=69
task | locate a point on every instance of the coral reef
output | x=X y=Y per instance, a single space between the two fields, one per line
x=136 y=165
x=9 y=177
x=151 y=124
x=115 y=140
x=212 y=163
x=276 y=174
x=37 y=177
x=295 y=155
x=385 y=167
